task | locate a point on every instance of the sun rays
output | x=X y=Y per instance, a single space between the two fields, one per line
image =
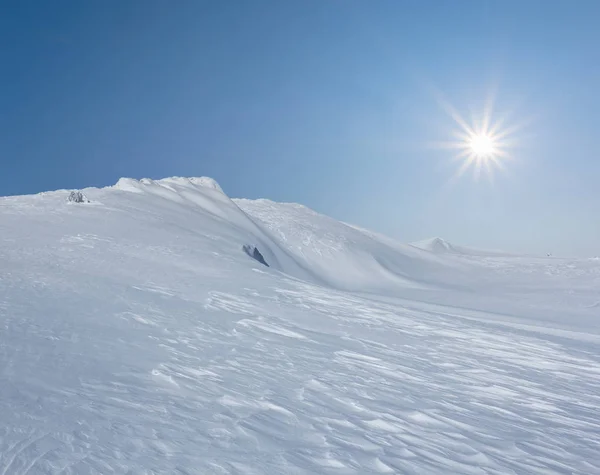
x=481 y=145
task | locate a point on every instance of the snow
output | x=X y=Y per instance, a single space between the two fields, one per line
x=440 y=246
x=139 y=337
x=436 y=244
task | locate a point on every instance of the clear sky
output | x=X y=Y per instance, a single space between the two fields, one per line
x=333 y=104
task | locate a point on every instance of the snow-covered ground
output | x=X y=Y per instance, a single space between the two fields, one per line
x=138 y=337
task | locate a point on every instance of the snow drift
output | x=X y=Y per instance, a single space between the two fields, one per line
x=346 y=257
x=139 y=337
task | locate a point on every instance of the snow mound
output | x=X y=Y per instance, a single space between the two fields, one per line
x=129 y=184
x=301 y=242
x=440 y=246
x=203 y=200
x=437 y=245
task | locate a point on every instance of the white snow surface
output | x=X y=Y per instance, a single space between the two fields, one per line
x=441 y=246
x=138 y=338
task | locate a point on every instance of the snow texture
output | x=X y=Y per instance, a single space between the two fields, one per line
x=137 y=338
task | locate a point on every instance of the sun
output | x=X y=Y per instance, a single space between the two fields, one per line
x=482 y=145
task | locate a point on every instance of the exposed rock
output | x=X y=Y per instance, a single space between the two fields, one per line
x=253 y=252
x=78 y=197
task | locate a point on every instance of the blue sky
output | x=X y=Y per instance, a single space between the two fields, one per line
x=326 y=103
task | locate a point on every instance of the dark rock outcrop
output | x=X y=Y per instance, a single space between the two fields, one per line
x=254 y=253
x=78 y=197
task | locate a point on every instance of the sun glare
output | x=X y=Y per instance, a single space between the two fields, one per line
x=482 y=144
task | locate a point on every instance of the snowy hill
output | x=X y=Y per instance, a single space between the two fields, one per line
x=436 y=244
x=139 y=335
x=440 y=246
x=343 y=256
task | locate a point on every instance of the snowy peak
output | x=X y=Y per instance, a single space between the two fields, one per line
x=437 y=245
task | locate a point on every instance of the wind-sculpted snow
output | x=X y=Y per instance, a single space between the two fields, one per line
x=138 y=337
x=346 y=257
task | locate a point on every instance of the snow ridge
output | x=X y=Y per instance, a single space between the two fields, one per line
x=136 y=186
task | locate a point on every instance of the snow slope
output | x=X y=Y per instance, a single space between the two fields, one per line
x=138 y=337
x=349 y=258
x=346 y=257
